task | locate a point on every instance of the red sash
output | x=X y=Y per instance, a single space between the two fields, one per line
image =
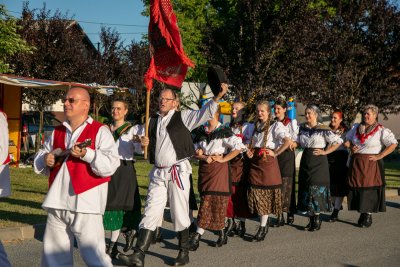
x=82 y=176
x=8 y=155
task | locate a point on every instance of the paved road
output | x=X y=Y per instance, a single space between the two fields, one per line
x=336 y=244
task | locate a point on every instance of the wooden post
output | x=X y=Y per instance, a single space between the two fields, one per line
x=147 y=120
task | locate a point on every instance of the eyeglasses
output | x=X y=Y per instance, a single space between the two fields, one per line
x=71 y=100
x=165 y=99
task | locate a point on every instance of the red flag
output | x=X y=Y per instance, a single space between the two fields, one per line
x=169 y=63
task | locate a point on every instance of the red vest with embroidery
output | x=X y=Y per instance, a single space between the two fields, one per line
x=8 y=155
x=82 y=176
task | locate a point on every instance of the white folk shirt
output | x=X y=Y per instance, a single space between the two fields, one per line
x=293 y=129
x=247 y=132
x=165 y=155
x=5 y=188
x=103 y=161
x=374 y=143
x=221 y=146
x=276 y=133
x=317 y=138
x=126 y=146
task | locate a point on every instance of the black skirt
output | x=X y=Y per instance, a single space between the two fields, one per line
x=122 y=188
x=286 y=162
x=338 y=172
x=314 y=170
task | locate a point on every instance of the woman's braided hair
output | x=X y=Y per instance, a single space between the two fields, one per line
x=268 y=122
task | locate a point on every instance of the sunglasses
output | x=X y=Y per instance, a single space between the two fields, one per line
x=71 y=100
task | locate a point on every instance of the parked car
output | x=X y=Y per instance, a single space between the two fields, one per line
x=30 y=121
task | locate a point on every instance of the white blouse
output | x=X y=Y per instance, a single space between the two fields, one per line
x=127 y=146
x=221 y=145
x=247 y=132
x=374 y=143
x=276 y=133
x=317 y=138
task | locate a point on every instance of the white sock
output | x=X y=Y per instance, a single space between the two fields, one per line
x=338 y=202
x=200 y=230
x=115 y=235
x=264 y=220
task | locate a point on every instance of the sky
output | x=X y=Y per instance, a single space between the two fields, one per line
x=92 y=14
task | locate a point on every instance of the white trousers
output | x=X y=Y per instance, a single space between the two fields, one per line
x=162 y=189
x=5 y=186
x=62 y=227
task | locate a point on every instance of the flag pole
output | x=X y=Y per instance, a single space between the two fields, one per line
x=147 y=119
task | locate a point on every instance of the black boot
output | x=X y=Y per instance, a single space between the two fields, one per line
x=367 y=220
x=192 y=228
x=230 y=227
x=290 y=218
x=112 y=250
x=142 y=245
x=317 y=222
x=183 y=256
x=157 y=236
x=222 y=239
x=130 y=237
x=194 y=241
x=310 y=222
x=334 y=215
x=241 y=228
x=261 y=233
x=281 y=220
x=361 y=219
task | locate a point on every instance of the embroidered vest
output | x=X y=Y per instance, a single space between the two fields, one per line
x=82 y=176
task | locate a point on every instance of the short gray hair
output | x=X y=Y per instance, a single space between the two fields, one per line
x=371 y=107
x=316 y=110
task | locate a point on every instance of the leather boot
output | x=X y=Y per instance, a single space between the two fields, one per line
x=241 y=228
x=222 y=239
x=144 y=240
x=192 y=228
x=261 y=233
x=290 y=218
x=281 y=220
x=317 y=222
x=194 y=241
x=157 y=237
x=334 y=215
x=310 y=222
x=112 y=250
x=130 y=237
x=183 y=256
x=361 y=219
x=367 y=220
x=230 y=227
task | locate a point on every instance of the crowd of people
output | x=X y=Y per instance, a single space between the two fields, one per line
x=246 y=170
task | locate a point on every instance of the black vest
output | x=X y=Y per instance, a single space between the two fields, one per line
x=178 y=133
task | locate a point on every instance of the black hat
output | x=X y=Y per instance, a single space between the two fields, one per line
x=216 y=76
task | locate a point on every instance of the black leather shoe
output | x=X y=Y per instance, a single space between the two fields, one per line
x=281 y=220
x=361 y=219
x=157 y=236
x=367 y=220
x=261 y=233
x=222 y=239
x=230 y=227
x=334 y=215
x=194 y=241
x=310 y=222
x=183 y=258
x=112 y=250
x=290 y=218
x=130 y=237
x=241 y=228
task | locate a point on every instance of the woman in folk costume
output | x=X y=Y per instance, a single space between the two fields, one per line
x=215 y=146
x=318 y=140
x=338 y=165
x=370 y=142
x=123 y=210
x=286 y=162
x=237 y=205
x=268 y=142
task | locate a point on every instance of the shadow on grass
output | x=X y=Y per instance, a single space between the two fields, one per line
x=21 y=202
x=29 y=219
x=31 y=191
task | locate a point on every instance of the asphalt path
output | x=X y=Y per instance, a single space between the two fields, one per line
x=336 y=244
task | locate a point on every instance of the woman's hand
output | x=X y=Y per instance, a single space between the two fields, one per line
x=218 y=158
x=319 y=152
x=355 y=149
x=375 y=157
x=271 y=153
x=208 y=159
x=293 y=145
x=250 y=153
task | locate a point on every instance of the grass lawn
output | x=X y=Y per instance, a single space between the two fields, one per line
x=23 y=207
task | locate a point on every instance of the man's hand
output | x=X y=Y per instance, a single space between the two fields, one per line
x=144 y=141
x=50 y=160
x=78 y=152
x=224 y=89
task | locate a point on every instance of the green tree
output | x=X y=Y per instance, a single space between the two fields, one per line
x=11 y=42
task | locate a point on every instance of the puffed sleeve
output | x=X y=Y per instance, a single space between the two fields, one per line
x=350 y=134
x=281 y=132
x=331 y=138
x=139 y=131
x=234 y=143
x=294 y=130
x=39 y=165
x=248 y=133
x=388 y=137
